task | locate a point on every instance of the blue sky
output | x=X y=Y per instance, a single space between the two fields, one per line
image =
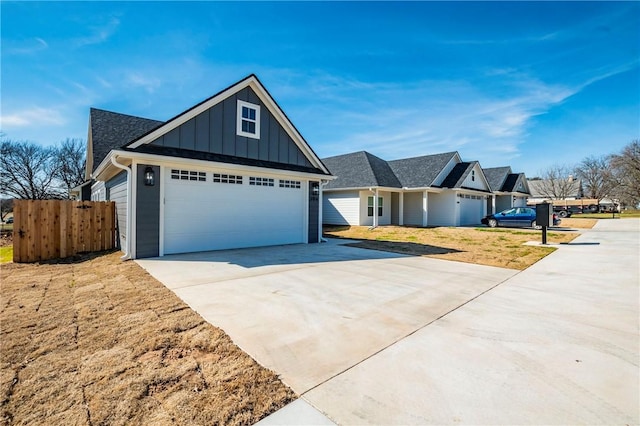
x=525 y=84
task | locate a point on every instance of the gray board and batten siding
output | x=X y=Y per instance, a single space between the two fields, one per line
x=214 y=131
x=147 y=214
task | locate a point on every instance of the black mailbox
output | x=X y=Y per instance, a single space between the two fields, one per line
x=544 y=214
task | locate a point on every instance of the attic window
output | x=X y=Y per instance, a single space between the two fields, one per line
x=248 y=120
x=473 y=175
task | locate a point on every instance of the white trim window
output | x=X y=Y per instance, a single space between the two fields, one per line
x=248 y=120
x=370 y=206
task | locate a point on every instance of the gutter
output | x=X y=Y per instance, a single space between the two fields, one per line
x=127 y=248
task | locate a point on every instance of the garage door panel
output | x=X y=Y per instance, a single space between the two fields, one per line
x=471 y=210
x=202 y=216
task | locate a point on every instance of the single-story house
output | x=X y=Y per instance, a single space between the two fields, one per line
x=230 y=172
x=431 y=190
x=509 y=189
x=555 y=189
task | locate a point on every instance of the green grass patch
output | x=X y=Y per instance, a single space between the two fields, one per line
x=623 y=215
x=6 y=254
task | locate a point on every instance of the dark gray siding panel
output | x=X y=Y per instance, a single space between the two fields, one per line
x=274 y=137
x=283 y=147
x=188 y=135
x=228 y=126
x=214 y=131
x=215 y=127
x=253 y=146
x=242 y=147
x=314 y=207
x=265 y=131
x=172 y=139
x=148 y=215
x=202 y=132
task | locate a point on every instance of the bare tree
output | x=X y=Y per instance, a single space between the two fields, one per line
x=6 y=207
x=69 y=161
x=27 y=170
x=625 y=169
x=557 y=183
x=595 y=175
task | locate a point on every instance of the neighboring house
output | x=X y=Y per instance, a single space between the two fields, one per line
x=230 y=172
x=432 y=190
x=509 y=189
x=555 y=189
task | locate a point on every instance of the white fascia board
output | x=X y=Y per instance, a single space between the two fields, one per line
x=101 y=172
x=423 y=188
x=163 y=160
x=385 y=188
x=264 y=97
x=471 y=191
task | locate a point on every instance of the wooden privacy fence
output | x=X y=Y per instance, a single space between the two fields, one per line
x=52 y=229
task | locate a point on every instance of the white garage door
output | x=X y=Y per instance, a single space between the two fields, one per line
x=236 y=211
x=472 y=209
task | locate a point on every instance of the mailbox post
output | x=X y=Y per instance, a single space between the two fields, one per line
x=544 y=218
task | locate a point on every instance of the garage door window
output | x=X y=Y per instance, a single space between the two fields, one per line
x=188 y=175
x=260 y=181
x=222 y=178
x=290 y=184
x=370 y=206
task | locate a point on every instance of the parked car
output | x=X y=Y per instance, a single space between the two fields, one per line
x=10 y=220
x=516 y=217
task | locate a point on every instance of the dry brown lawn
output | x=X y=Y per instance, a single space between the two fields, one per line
x=99 y=341
x=578 y=222
x=485 y=246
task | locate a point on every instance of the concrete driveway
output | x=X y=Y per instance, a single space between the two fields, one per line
x=310 y=312
x=369 y=337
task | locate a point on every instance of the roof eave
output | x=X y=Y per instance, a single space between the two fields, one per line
x=105 y=169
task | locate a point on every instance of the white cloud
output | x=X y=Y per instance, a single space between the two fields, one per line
x=26 y=47
x=99 y=34
x=149 y=83
x=35 y=116
x=420 y=117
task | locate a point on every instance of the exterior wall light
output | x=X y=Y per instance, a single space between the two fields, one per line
x=149 y=176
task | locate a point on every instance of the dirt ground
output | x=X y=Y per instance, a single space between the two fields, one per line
x=6 y=239
x=99 y=341
x=485 y=246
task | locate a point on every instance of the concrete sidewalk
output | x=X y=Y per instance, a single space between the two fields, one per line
x=555 y=344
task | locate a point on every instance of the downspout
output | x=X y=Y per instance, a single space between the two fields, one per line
x=127 y=248
x=323 y=183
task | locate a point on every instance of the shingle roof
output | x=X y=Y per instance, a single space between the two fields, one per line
x=512 y=181
x=111 y=130
x=460 y=171
x=420 y=172
x=497 y=177
x=358 y=170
